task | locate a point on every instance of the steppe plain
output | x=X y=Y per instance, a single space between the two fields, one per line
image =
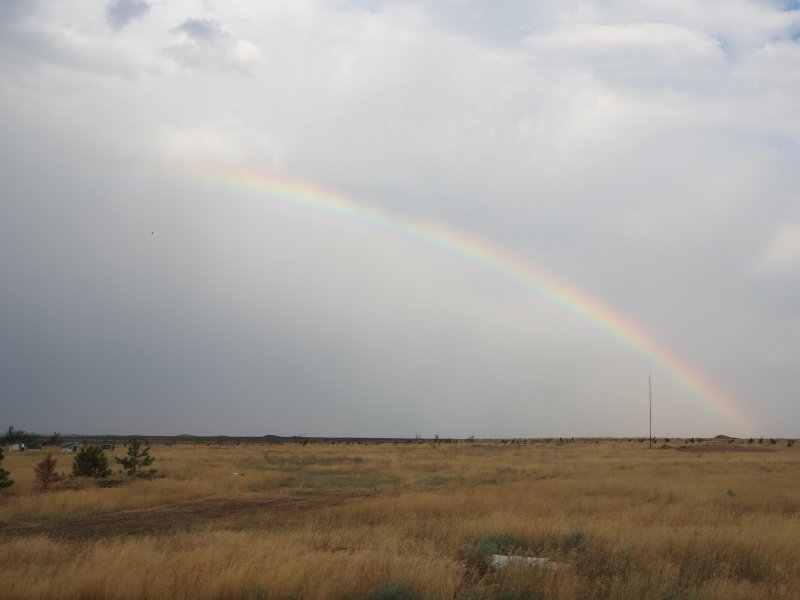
x=334 y=520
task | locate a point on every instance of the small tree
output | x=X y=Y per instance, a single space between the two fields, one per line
x=56 y=439
x=46 y=472
x=90 y=462
x=138 y=456
x=4 y=480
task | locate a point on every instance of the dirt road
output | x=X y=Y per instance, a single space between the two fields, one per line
x=178 y=516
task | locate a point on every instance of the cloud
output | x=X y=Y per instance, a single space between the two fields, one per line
x=620 y=147
x=122 y=12
x=38 y=42
x=201 y=29
x=13 y=9
x=781 y=257
x=205 y=44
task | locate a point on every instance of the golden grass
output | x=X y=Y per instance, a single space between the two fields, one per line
x=630 y=523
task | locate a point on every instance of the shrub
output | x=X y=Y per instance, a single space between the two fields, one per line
x=46 y=472
x=90 y=462
x=568 y=541
x=4 y=479
x=394 y=590
x=499 y=543
x=138 y=456
x=477 y=554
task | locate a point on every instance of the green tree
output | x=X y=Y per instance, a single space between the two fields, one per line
x=19 y=436
x=56 y=439
x=90 y=461
x=138 y=456
x=4 y=480
x=46 y=472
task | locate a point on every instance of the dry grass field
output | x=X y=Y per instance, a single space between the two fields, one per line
x=413 y=521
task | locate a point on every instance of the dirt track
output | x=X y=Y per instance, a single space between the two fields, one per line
x=178 y=516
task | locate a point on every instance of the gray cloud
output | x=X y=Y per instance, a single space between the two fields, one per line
x=13 y=9
x=622 y=149
x=206 y=44
x=201 y=29
x=122 y=12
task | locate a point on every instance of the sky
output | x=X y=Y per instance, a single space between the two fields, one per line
x=639 y=158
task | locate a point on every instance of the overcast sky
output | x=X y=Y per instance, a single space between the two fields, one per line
x=646 y=153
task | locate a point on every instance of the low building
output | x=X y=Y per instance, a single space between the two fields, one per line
x=16 y=448
x=69 y=447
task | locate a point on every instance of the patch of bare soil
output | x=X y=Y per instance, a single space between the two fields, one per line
x=178 y=516
x=723 y=448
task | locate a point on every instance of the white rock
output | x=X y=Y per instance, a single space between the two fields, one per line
x=501 y=561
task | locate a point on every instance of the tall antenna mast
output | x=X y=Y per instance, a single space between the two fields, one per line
x=650 y=395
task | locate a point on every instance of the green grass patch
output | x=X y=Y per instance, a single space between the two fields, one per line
x=434 y=480
x=392 y=590
x=491 y=481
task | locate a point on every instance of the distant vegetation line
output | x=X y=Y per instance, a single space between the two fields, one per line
x=21 y=436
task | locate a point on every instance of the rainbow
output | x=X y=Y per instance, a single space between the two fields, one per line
x=311 y=197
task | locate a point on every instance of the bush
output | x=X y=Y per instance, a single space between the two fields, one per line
x=567 y=542
x=4 y=479
x=46 y=472
x=499 y=543
x=91 y=462
x=480 y=549
x=394 y=590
